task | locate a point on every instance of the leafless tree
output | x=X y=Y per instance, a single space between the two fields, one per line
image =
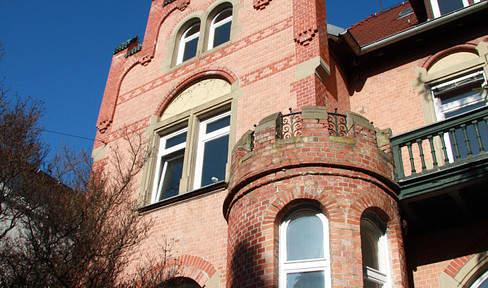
x=76 y=226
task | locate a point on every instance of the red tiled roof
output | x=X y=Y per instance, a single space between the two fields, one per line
x=383 y=24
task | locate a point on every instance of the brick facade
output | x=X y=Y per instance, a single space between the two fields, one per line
x=281 y=55
x=343 y=177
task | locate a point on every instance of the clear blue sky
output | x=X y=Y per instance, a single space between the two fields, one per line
x=59 y=51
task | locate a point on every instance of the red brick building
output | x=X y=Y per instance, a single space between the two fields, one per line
x=375 y=176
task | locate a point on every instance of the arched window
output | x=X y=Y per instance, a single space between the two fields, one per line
x=374 y=247
x=188 y=43
x=304 y=250
x=193 y=137
x=220 y=28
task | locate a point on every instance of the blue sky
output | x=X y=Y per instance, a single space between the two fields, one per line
x=59 y=51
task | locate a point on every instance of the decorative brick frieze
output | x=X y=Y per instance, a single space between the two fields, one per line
x=146 y=59
x=103 y=126
x=304 y=38
x=261 y=4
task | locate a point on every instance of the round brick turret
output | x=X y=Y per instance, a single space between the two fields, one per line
x=343 y=176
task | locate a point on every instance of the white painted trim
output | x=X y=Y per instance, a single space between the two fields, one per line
x=214 y=25
x=203 y=138
x=381 y=276
x=442 y=109
x=311 y=265
x=185 y=39
x=162 y=152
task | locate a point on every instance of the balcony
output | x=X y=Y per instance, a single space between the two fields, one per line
x=444 y=154
x=442 y=171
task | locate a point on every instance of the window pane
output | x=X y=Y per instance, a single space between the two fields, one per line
x=214 y=160
x=305 y=280
x=216 y=125
x=172 y=175
x=484 y=284
x=447 y=6
x=371 y=284
x=190 y=49
x=460 y=97
x=192 y=30
x=369 y=247
x=224 y=14
x=304 y=238
x=222 y=34
x=173 y=141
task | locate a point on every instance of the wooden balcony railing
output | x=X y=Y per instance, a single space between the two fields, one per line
x=449 y=143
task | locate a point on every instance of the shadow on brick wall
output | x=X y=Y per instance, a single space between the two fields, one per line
x=245 y=271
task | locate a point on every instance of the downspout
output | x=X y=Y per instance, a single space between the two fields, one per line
x=361 y=50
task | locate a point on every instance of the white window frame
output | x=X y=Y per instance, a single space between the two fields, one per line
x=437 y=11
x=203 y=138
x=162 y=153
x=300 y=266
x=441 y=110
x=192 y=150
x=214 y=25
x=381 y=276
x=184 y=40
x=480 y=280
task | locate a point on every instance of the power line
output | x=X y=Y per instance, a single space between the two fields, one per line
x=69 y=135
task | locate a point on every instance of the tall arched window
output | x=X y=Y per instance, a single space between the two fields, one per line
x=188 y=43
x=374 y=247
x=304 y=250
x=220 y=28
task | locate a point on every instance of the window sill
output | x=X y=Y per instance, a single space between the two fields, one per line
x=189 y=195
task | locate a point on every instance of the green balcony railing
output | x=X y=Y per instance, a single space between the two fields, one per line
x=446 y=144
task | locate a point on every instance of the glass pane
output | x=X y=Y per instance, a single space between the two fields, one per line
x=371 y=284
x=369 y=248
x=304 y=238
x=224 y=14
x=447 y=6
x=190 y=49
x=214 y=160
x=192 y=30
x=172 y=176
x=305 y=280
x=222 y=34
x=216 y=125
x=484 y=284
x=173 y=141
